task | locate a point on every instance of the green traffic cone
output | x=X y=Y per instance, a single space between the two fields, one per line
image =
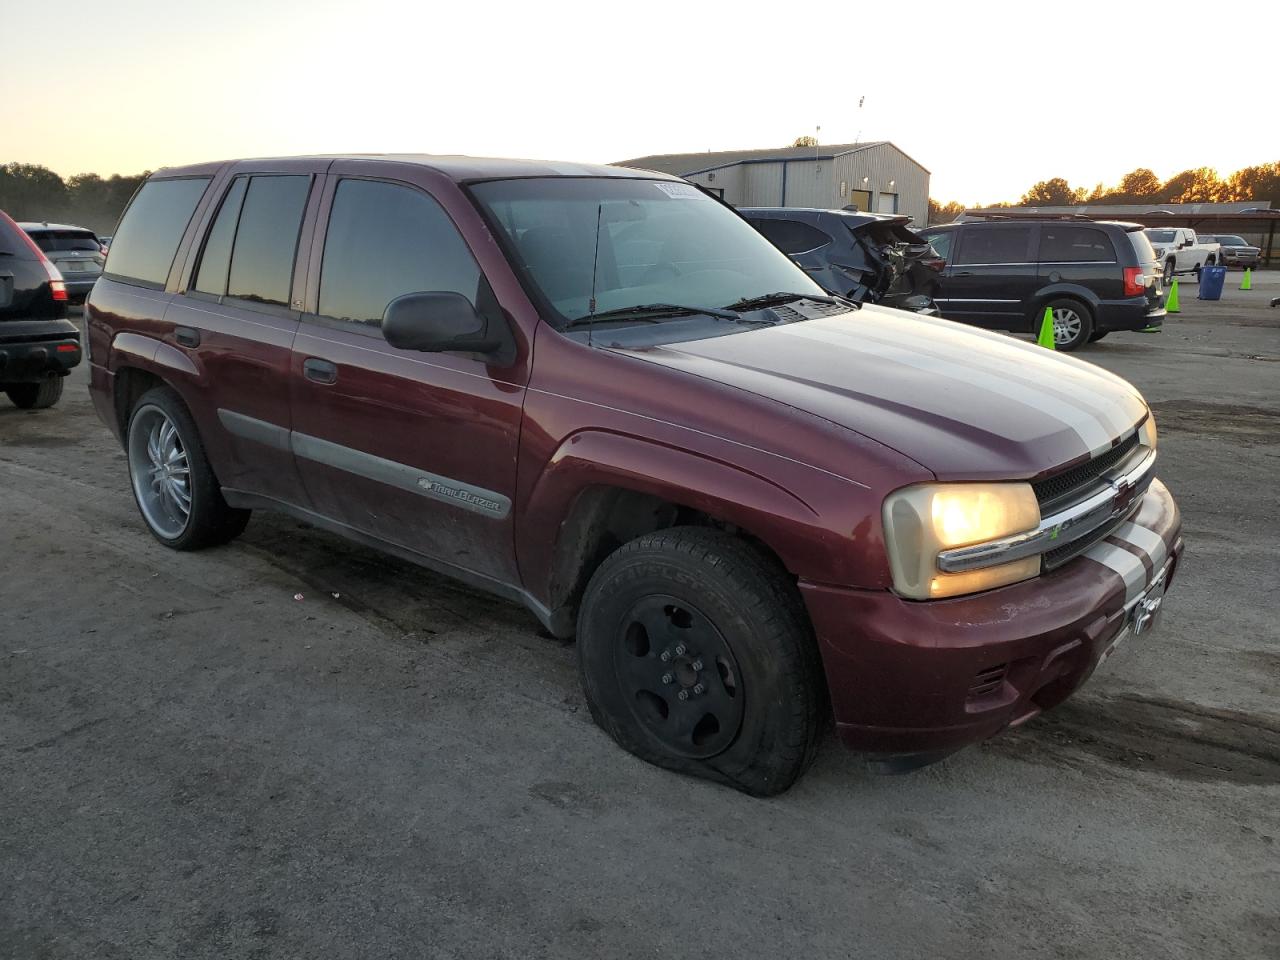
x=1171 y=304
x=1247 y=282
x=1045 y=339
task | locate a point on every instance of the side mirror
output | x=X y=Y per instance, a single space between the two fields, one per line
x=437 y=322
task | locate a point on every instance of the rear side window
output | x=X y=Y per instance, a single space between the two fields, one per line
x=59 y=241
x=215 y=262
x=1066 y=243
x=384 y=241
x=267 y=239
x=994 y=245
x=1142 y=246
x=941 y=243
x=143 y=248
x=790 y=236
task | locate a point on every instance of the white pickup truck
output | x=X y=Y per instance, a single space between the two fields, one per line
x=1180 y=252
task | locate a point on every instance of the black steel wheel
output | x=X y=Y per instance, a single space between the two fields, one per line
x=696 y=655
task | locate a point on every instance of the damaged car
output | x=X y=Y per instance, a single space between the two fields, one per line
x=864 y=257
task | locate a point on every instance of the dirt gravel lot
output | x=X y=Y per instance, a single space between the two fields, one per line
x=195 y=764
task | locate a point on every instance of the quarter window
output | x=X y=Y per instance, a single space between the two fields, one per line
x=1071 y=244
x=267 y=239
x=994 y=245
x=384 y=241
x=144 y=247
x=790 y=236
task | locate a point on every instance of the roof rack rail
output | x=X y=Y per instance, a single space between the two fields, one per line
x=1019 y=215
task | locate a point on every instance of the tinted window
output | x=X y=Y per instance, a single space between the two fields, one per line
x=51 y=241
x=144 y=246
x=1068 y=243
x=267 y=239
x=384 y=241
x=994 y=245
x=1231 y=241
x=789 y=236
x=216 y=259
x=1142 y=246
x=1161 y=236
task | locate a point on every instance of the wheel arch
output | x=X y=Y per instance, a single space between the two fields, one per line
x=590 y=499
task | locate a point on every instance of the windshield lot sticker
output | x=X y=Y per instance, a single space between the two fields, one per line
x=680 y=191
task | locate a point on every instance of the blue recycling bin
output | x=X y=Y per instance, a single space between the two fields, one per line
x=1212 y=280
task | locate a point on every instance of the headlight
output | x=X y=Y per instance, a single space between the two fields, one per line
x=922 y=521
x=1147 y=432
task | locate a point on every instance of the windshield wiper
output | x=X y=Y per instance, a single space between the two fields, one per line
x=653 y=312
x=776 y=299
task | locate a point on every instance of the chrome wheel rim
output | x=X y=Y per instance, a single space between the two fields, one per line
x=160 y=471
x=1066 y=325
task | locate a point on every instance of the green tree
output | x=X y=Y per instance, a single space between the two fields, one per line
x=1198 y=185
x=1138 y=185
x=1256 y=183
x=1055 y=192
x=32 y=192
x=944 y=212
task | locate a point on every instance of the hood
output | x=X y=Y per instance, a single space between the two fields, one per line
x=962 y=402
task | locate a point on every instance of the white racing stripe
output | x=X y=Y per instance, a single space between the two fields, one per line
x=1148 y=541
x=1069 y=383
x=1128 y=565
x=1091 y=431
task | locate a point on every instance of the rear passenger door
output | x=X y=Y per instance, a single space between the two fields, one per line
x=991 y=276
x=417 y=449
x=1071 y=253
x=236 y=313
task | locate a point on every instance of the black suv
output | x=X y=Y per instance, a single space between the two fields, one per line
x=1096 y=276
x=871 y=257
x=38 y=344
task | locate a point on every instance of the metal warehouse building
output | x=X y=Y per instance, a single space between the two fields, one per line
x=870 y=176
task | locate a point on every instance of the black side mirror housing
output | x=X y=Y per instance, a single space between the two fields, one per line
x=437 y=322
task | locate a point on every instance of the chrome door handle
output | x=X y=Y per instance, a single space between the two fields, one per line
x=321 y=371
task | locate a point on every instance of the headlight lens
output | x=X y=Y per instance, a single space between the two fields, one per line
x=924 y=520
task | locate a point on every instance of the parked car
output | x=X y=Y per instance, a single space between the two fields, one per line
x=1234 y=251
x=754 y=505
x=868 y=257
x=1178 y=251
x=38 y=344
x=75 y=251
x=1096 y=276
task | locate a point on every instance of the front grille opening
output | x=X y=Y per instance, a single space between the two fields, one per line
x=1071 y=484
x=988 y=682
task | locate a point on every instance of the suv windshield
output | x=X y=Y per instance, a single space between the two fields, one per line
x=51 y=241
x=1230 y=241
x=1160 y=236
x=660 y=242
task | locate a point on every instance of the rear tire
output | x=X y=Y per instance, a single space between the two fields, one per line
x=1072 y=324
x=696 y=655
x=35 y=396
x=174 y=486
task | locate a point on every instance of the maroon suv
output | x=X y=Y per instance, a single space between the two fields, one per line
x=600 y=393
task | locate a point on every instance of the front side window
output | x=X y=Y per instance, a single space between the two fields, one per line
x=633 y=242
x=383 y=241
x=994 y=245
x=791 y=236
x=1071 y=244
x=144 y=246
x=267 y=238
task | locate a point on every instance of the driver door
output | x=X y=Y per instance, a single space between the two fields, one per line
x=416 y=449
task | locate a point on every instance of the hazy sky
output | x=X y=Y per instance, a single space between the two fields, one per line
x=990 y=97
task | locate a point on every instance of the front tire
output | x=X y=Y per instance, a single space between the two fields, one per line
x=696 y=655
x=1167 y=278
x=1072 y=324
x=173 y=484
x=35 y=396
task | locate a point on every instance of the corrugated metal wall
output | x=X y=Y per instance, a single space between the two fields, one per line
x=818 y=184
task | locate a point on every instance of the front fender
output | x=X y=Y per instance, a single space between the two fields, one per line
x=822 y=527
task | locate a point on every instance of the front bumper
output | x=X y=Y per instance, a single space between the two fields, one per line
x=32 y=350
x=910 y=678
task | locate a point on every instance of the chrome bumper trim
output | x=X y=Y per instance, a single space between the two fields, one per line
x=1062 y=528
